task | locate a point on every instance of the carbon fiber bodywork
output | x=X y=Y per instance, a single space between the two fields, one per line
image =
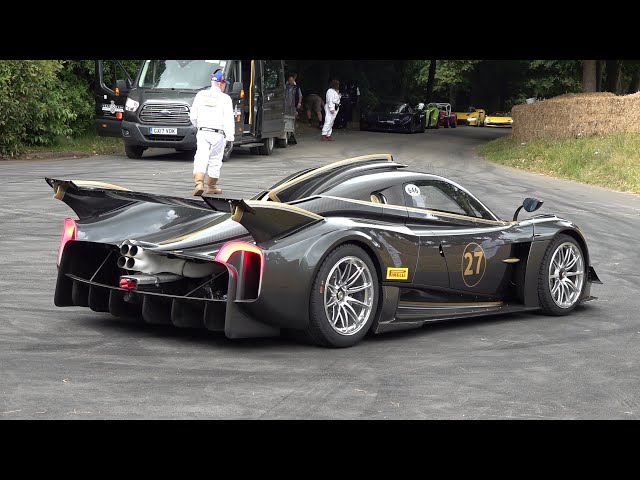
x=424 y=258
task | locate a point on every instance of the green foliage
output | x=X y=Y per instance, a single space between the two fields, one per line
x=548 y=78
x=44 y=100
x=33 y=108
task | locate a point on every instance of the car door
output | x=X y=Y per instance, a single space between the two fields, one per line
x=110 y=91
x=273 y=94
x=431 y=267
x=476 y=246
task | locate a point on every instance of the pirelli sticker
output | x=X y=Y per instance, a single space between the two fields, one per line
x=394 y=273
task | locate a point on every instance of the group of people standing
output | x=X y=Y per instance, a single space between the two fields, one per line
x=212 y=114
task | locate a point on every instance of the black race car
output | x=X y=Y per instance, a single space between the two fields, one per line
x=394 y=117
x=331 y=253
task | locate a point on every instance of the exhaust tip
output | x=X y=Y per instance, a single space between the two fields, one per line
x=122 y=262
x=124 y=249
x=130 y=263
x=133 y=250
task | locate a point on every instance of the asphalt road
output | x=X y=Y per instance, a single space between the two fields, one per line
x=63 y=363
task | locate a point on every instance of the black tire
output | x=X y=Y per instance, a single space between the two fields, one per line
x=437 y=125
x=254 y=150
x=545 y=295
x=282 y=142
x=423 y=125
x=267 y=146
x=320 y=330
x=133 y=151
x=454 y=124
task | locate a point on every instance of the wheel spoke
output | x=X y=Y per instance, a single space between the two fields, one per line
x=573 y=274
x=554 y=290
x=357 y=302
x=354 y=277
x=332 y=302
x=571 y=285
x=358 y=289
x=554 y=276
x=572 y=262
x=349 y=309
x=346 y=272
x=343 y=317
x=334 y=318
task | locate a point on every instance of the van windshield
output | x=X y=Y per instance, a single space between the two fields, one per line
x=182 y=74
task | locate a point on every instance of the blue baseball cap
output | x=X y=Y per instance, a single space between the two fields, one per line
x=218 y=77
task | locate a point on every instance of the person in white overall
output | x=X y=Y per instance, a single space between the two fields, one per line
x=331 y=107
x=212 y=114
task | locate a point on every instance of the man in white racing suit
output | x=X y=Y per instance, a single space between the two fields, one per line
x=331 y=107
x=212 y=114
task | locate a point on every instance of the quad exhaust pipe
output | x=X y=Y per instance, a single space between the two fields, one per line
x=134 y=257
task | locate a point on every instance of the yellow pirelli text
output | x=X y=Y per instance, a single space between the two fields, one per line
x=394 y=273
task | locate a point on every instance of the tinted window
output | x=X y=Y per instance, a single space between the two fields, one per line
x=272 y=74
x=444 y=197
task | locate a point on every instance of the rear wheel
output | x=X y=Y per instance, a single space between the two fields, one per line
x=134 y=151
x=561 y=279
x=454 y=123
x=282 y=142
x=267 y=146
x=344 y=298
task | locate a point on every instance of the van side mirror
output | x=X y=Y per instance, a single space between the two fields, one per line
x=236 y=87
x=121 y=86
x=529 y=204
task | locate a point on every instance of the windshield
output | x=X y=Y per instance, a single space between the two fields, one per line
x=393 y=107
x=183 y=74
x=500 y=114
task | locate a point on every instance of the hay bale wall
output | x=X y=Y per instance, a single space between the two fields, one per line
x=577 y=114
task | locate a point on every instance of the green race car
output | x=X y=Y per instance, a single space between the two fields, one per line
x=432 y=113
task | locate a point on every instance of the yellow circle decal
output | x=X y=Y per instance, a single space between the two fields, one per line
x=474 y=263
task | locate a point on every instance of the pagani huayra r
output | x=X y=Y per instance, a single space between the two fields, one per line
x=329 y=253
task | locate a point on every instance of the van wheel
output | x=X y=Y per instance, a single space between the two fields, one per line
x=267 y=146
x=282 y=142
x=134 y=151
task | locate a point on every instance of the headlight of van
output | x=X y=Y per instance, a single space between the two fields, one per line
x=131 y=105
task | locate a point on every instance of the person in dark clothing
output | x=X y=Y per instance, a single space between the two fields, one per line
x=293 y=102
x=349 y=98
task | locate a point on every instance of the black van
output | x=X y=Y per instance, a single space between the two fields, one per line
x=153 y=109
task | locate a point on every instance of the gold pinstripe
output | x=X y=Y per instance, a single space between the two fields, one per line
x=420 y=210
x=90 y=183
x=273 y=194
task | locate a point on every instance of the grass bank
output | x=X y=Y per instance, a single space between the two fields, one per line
x=86 y=145
x=611 y=161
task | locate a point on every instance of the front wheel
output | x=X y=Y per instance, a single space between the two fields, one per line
x=561 y=279
x=133 y=151
x=344 y=298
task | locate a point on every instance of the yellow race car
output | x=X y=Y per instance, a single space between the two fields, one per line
x=498 y=119
x=470 y=116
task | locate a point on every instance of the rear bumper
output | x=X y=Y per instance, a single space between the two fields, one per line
x=138 y=134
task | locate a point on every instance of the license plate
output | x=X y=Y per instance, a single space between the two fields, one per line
x=162 y=131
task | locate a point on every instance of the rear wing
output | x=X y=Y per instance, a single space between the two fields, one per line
x=89 y=199
x=266 y=220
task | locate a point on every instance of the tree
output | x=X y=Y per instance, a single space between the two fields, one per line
x=589 y=83
x=431 y=79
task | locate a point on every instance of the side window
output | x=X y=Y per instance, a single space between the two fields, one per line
x=272 y=74
x=443 y=197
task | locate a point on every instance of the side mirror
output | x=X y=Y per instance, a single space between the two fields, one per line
x=236 y=87
x=529 y=204
x=121 y=87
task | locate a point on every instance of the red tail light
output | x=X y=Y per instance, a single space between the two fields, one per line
x=249 y=267
x=229 y=248
x=69 y=231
